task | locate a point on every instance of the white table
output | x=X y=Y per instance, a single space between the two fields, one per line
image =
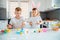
x=50 y=35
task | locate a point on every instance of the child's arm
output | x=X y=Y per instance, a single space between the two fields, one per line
x=10 y=25
x=22 y=25
x=30 y=23
x=40 y=21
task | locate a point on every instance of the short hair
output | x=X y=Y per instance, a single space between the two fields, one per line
x=17 y=9
x=34 y=9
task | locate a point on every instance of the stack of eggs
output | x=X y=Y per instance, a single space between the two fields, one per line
x=20 y=31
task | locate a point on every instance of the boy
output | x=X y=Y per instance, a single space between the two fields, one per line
x=17 y=21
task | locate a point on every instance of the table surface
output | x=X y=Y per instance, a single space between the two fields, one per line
x=49 y=35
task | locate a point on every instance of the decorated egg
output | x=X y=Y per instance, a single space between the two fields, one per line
x=5 y=31
x=44 y=29
x=18 y=29
x=2 y=30
x=17 y=32
x=8 y=30
x=21 y=33
x=26 y=31
x=34 y=31
x=55 y=29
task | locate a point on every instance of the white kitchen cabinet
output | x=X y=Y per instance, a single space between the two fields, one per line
x=3 y=9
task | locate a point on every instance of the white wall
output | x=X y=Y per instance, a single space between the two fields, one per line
x=44 y=4
x=23 y=5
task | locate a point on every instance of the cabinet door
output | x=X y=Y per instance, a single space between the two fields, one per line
x=3 y=9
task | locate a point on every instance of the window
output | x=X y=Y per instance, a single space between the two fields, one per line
x=56 y=3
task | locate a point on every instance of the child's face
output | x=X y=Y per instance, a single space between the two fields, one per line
x=18 y=13
x=34 y=12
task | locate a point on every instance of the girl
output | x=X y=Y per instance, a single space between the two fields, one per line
x=35 y=19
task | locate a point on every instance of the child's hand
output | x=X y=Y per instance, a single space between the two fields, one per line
x=9 y=26
x=30 y=23
x=38 y=22
x=22 y=25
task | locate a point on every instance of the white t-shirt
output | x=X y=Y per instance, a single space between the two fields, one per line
x=34 y=21
x=16 y=22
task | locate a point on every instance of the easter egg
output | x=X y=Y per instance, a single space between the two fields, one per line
x=8 y=30
x=5 y=31
x=2 y=30
x=34 y=31
x=26 y=31
x=55 y=29
x=21 y=33
x=39 y=31
x=17 y=32
x=44 y=29
x=22 y=30
x=18 y=29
